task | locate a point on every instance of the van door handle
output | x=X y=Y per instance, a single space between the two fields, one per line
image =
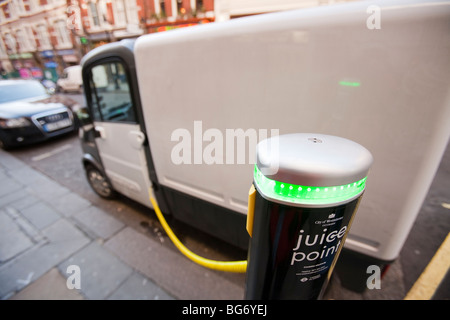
x=136 y=138
x=100 y=132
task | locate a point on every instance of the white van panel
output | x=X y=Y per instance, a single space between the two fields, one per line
x=73 y=79
x=314 y=70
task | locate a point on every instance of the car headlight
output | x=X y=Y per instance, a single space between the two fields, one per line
x=14 y=123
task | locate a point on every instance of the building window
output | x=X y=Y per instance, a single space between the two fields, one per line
x=25 y=38
x=31 y=38
x=163 y=12
x=6 y=10
x=11 y=43
x=57 y=2
x=180 y=8
x=199 y=6
x=132 y=12
x=28 y=6
x=18 y=6
x=62 y=35
x=43 y=37
x=94 y=14
x=119 y=16
x=3 y=52
x=21 y=40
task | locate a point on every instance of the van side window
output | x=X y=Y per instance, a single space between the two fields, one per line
x=111 y=97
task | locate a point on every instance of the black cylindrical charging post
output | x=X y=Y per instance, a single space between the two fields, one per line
x=304 y=196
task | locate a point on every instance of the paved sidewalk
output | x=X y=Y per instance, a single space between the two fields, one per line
x=45 y=228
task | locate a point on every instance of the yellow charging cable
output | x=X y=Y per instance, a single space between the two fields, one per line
x=228 y=266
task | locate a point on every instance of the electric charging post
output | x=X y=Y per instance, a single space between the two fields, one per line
x=305 y=194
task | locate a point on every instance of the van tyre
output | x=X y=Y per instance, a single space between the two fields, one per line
x=100 y=183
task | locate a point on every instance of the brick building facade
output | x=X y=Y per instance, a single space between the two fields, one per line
x=39 y=38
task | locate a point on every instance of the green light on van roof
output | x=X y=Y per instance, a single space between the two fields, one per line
x=288 y=192
x=349 y=84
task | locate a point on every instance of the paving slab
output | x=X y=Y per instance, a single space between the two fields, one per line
x=27 y=175
x=47 y=189
x=8 y=198
x=8 y=186
x=10 y=162
x=21 y=200
x=138 y=287
x=170 y=269
x=69 y=204
x=24 y=225
x=98 y=223
x=101 y=273
x=2 y=173
x=41 y=215
x=12 y=240
x=44 y=228
x=63 y=239
x=51 y=286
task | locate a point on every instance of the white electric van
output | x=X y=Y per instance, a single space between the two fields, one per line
x=70 y=80
x=182 y=110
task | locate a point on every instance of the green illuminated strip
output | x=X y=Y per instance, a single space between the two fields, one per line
x=349 y=84
x=294 y=193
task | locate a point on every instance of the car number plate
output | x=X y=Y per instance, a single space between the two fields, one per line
x=57 y=125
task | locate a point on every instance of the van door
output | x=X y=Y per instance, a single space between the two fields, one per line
x=118 y=135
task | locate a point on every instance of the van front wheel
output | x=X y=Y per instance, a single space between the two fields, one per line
x=99 y=183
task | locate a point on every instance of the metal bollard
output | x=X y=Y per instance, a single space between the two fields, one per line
x=304 y=196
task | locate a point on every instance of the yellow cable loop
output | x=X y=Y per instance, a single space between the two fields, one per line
x=228 y=266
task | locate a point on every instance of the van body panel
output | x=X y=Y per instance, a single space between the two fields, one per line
x=120 y=148
x=71 y=80
x=313 y=70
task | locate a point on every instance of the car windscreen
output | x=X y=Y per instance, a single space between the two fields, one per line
x=21 y=90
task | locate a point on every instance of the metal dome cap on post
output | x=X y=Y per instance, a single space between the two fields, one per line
x=312 y=170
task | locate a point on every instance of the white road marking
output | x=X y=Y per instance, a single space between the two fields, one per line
x=51 y=153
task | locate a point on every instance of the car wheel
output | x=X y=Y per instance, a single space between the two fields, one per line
x=99 y=183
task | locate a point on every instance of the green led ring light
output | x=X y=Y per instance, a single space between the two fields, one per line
x=311 y=195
